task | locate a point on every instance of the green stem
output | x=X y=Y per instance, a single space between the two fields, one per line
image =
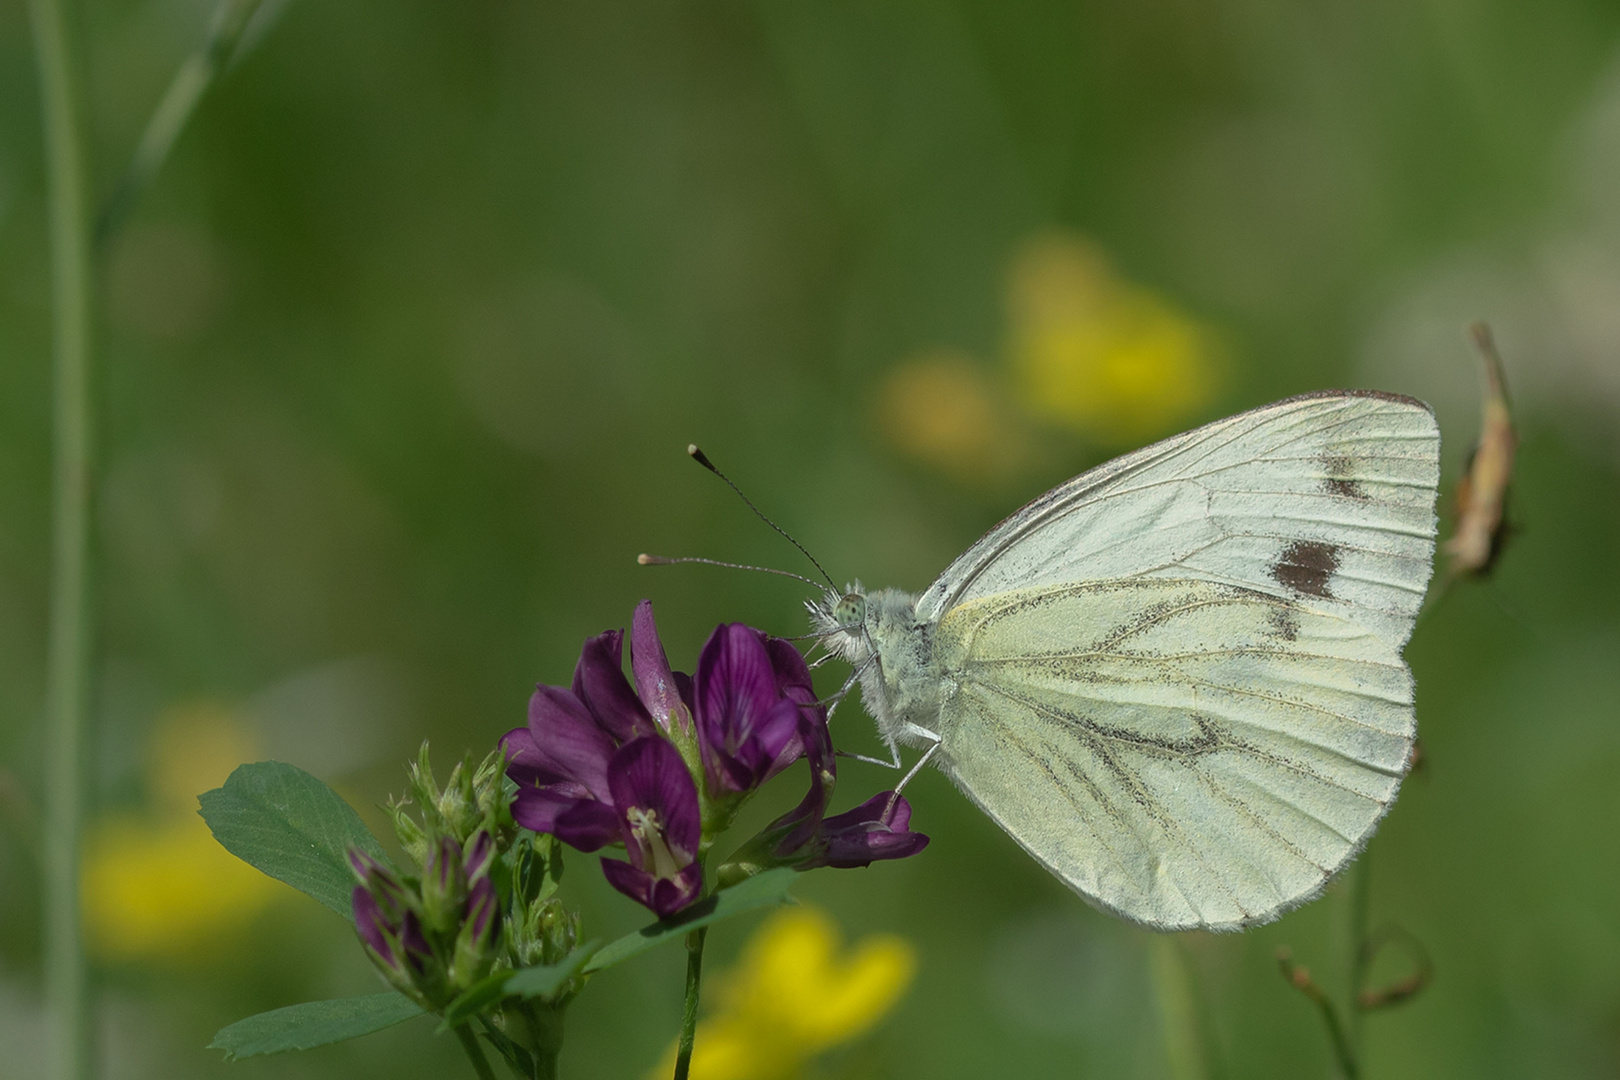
x=536 y=1028
x=475 y=1053
x=195 y=75
x=1343 y=1053
x=67 y=680
x=1186 y=1051
x=547 y=1024
x=1360 y=955
x=694 y=979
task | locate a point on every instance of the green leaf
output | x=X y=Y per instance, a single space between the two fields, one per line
x=476 y=998
x=314 y=1023
x=542 y=980
x=293 y=827
x=771 y=887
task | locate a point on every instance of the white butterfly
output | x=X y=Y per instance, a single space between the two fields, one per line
x=1176 y=680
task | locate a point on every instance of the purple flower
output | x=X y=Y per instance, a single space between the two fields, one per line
x=560 y=760
x=385 y=918
x=605 y=761
x=657 y=804
x=746 y=706
x=876 y=829
x=804 y=838
x=751 y=693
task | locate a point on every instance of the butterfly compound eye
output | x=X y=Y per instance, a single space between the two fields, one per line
x=851 y=610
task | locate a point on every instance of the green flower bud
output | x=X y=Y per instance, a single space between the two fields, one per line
x=444 y=886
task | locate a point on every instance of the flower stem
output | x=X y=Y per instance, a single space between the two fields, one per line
x=67 y=680
x=694 y=978
x=475 y=1054
x=1186 y=1051
x=195 y=75
x=1360 y=955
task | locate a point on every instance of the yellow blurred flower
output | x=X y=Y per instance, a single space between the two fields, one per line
x=940 y=409
x=157 y=884
x=794 y=995
x=1108 y=358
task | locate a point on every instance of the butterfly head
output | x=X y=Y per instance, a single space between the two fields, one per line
x=839 y=619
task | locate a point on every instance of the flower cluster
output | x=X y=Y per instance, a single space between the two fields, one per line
x=436 y=935
x=662 y=766
x=478 y=898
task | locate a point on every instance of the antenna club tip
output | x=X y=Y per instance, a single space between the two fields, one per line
x=701 y=458
x=644 y=559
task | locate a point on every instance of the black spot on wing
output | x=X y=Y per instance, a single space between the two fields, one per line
x=1340 y=477
x=1307 y=566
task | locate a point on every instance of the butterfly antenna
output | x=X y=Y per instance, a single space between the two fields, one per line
x=664 y=560
x=703 y=459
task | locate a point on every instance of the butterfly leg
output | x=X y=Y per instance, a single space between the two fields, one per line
x=893 y=762
x=904 y=780
x=836 y=699
x=849 y=755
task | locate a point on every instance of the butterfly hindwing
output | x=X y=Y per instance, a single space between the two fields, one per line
x=1186 y=754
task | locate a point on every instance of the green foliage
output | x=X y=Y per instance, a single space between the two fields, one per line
x=287 y=823
x=541 y=981
x=759 y=891
x=314 y=1023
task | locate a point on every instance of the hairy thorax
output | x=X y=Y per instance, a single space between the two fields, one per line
x=881 y=636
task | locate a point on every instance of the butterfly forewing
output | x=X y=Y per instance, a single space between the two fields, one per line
x=1327 y=499
x=1187 y=754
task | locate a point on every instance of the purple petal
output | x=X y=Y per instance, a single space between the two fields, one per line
x=873 y=830
x=805 y=818
x=777 y=738
x=387 y=891
x=683 y=684
x=788 y=665
x=368 y=922
x=565 y=741
x=599 y=682
x=874 y=811
x=735 y=684
x=850 y=852
x=479 y=849
x=670 y=895
x=443 y=863
x=482 y=907
x=725 y=772
x=650 y=775
x=583 y=823
x=524 y=762
x=417 y=949
x=664 y=896
x=634 y=882
x=588 y=825
x=655 y=682
x=362 y=864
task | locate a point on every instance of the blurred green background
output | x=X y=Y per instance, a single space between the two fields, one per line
x=400 y=355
